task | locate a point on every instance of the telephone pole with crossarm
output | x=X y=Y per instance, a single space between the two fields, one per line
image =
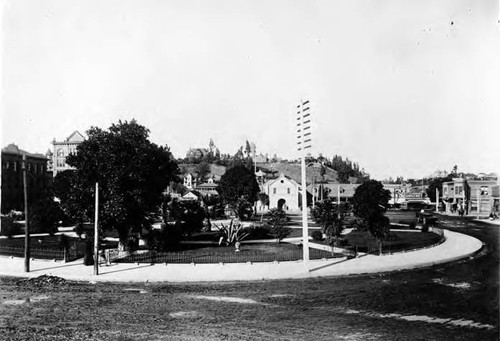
x=303 y=143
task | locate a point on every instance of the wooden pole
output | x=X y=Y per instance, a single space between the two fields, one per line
x=96 y=231
x=26 y=225
x=338 y=201
x=437 y=200
x=314 y=193
x=478 y=194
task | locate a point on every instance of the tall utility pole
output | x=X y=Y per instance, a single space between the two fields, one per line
x=96 y=231
x=26 y=226
x=303 y=143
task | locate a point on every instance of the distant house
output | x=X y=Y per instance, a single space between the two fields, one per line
x=61 y=149
x=208 y=188
x=192 y=195
x=189 y=181
x=196 y=153
x=337 y=190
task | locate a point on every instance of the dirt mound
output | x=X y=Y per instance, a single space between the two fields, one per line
x=43 y=281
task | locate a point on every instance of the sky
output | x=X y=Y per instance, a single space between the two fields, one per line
x=401 y=87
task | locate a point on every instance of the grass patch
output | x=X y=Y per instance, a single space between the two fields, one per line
x=195 y=253
x=402 y=241
x=46 y=247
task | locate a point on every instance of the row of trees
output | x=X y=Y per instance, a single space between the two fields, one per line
x=133 y=173
x=368 y=205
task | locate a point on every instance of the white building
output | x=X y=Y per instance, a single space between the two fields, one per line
x=283 y=193
x=61 y=149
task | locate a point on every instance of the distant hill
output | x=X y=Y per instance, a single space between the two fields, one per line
x=313 y=171
x=292 y=170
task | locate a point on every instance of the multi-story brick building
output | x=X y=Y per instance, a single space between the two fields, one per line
x=12 y=177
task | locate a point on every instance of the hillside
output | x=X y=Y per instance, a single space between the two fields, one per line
x=215 y=170
x=293 y=171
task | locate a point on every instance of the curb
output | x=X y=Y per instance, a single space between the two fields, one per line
x=181 y=273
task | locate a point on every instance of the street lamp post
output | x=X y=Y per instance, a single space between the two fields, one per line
x=303 y=143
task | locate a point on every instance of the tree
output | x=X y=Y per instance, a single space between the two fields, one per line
x=263 y=198
x=211 y=146
x=238 y=183
x=331 y=218
x=188 y=213
x=132 y=173
x=203 y=169
x=436 y=183
x=248 y=148
x=277 y=219
x=369 y=202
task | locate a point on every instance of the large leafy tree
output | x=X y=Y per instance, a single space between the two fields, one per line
x=238 y=183
x=132 y=173
x=369 y=202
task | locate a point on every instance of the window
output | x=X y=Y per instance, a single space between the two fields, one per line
x=15 y=166
x=60 y=152
x=288 y=190
x=483 y=190
x=274 y=190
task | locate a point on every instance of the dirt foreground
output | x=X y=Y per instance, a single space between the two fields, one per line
x=378 y=307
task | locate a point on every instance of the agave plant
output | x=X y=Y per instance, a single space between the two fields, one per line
x=232 y=233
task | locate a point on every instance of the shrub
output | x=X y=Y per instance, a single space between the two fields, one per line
x=231 y=233
x=391 y=236
x=257 y=231
x=9 y=227
x=356 y=223
x=277 y=219
x=164 y=239
x=244 y=209
x=425 y=228
x=317 y=235
x=279 y=231
x=341 y=242
x=413 y=225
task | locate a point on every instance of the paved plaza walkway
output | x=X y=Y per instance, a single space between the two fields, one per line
x=456 y=246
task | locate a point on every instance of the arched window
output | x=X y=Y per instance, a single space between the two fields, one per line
x=60 y=152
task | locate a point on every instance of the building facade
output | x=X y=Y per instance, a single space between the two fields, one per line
x=283 y=193
x=12 y=177
x=61 y=150
x=478 y=197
